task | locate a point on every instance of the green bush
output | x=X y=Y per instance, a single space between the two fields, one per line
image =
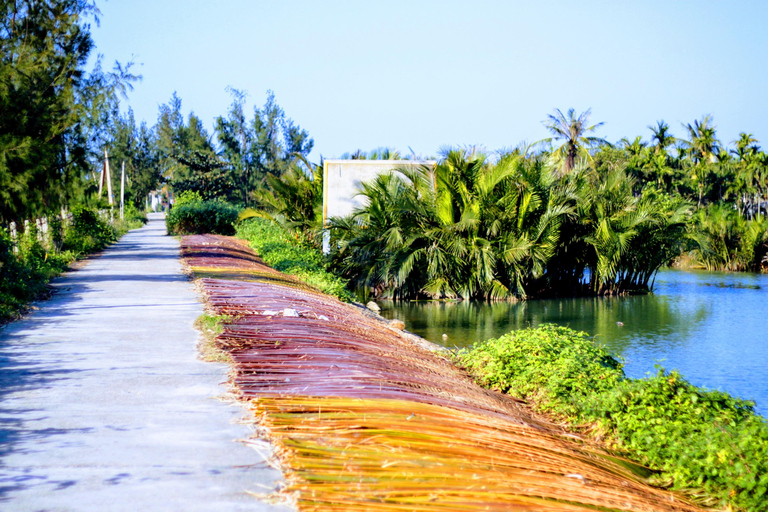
x=704 y=442
x=292 y=254
x=186 y=197
x=87 y=232
x=23 y=276
x=552 y=366
x=196 y=217
x=133 y=216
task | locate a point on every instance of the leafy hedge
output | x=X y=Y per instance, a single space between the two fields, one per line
x=704 y=442
x=291 y=254
x=191 y=215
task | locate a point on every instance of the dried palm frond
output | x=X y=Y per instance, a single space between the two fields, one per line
x=364 y=418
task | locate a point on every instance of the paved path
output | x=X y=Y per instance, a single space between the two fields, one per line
x=104 y=405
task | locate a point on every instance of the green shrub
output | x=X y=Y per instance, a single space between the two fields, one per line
x=187 y=197
x=707 y=443
x=292 y=254
x=87 y=232
x=555 y=367
x=23 y=276
x=133 y=216
x=197 y=217
x=132 y=219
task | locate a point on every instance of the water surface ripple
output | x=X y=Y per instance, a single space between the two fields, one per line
x=711 y=326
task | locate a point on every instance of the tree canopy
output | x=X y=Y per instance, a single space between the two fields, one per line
x=50 y=106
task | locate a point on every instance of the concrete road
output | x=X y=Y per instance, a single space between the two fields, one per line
x=104 y=405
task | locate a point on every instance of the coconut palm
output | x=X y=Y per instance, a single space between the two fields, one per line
x=746 y=146
x=703 y=148
x=661 y=138
x=572 y=131
x=703 y=143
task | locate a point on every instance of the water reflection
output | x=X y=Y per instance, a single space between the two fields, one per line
x=710 y=326
x=617 y=321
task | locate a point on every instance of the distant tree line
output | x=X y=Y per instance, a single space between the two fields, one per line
x=57 y=119
x=571 y=215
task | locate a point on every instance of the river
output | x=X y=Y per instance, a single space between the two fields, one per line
x=711 y=326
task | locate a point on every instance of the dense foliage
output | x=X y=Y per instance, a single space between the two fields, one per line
x=704 y=442
x=88 y=232
x=52 y=111
x=481 y=229
x=292 y=254
x=38 y=258
x=23 y=276
x=193 y=215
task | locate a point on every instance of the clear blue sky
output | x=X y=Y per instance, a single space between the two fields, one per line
x=363 y=74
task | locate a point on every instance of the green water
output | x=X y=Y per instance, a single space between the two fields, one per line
x=713 y=327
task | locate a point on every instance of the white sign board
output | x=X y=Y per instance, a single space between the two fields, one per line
x=342 y=180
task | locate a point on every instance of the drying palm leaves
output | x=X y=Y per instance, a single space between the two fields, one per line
x=365 y=418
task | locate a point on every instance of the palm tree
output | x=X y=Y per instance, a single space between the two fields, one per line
x=703 y=148
x=634 y=148
x=573 y=132
x=661 y=138
x=466 y=229
x=630 y=237
x=293 y=199
x=702 y=141
x=746 y=145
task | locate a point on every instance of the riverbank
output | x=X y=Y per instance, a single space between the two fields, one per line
x=410 y=430
x=710 y=326
x=702 y=442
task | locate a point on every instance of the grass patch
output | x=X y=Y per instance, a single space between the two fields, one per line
x=210 y=326
x=705 y=443
x=291 y=254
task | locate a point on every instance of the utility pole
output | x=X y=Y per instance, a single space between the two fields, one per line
x=101 y=177
x=109 y=179
x=122 y=190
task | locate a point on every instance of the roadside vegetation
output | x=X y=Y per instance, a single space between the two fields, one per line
x=210 y=326
x=292 y=254
x=27 y=265
x=192 y=215
x=705 y=443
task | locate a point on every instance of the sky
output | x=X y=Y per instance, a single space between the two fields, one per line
x=419 y=75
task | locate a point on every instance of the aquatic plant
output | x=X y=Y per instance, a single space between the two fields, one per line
x=475 y=229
